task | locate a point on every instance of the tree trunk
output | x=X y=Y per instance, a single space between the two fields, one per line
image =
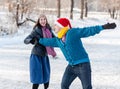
x=17 y=14
x=112 y=13
x=71 y=9
x=59 y=7
x=86 y=8
x=10 y=7
x=22 y=12
x=82 y=9
x=22 y=9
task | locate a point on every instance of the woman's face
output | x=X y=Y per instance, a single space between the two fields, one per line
x=43 y=21
x=56 y=28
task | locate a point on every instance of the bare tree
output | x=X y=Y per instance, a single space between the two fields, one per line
x=23 y=4
x=86 y=8
x=82 y=9
x=71 y=9
x=20 y=9
x=112 y=6
x=17 y=13
x=59 y=7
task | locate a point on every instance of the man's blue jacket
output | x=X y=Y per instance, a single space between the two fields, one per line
x=72 y=48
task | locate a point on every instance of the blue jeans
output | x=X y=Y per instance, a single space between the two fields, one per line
x=82 y=71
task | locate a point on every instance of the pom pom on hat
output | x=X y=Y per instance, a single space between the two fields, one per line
x=63 y=22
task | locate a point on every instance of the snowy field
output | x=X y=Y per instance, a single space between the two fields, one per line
x=103 y=49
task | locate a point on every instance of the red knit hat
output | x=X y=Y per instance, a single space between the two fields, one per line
x=63 y=22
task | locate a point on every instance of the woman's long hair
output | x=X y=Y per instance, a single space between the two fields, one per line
x=38 y=24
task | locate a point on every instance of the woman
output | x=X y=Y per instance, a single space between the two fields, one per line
x=39 y=61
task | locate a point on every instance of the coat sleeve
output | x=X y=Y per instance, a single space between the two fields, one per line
x=29 y=37
x=52 y=42
x=87 y=31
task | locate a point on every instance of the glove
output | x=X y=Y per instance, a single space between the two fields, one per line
x=34 y=41
x=109 y=26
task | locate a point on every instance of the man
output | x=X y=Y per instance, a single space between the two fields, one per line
x=69 y=41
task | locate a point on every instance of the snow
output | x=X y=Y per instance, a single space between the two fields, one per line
x=103 y=49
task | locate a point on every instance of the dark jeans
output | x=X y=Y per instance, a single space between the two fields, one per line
x=82 y=71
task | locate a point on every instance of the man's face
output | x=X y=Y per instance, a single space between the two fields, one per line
x=56 y=28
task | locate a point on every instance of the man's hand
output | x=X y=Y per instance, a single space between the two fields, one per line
x=109 y=26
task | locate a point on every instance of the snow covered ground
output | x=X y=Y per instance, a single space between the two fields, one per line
x=103 y=49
